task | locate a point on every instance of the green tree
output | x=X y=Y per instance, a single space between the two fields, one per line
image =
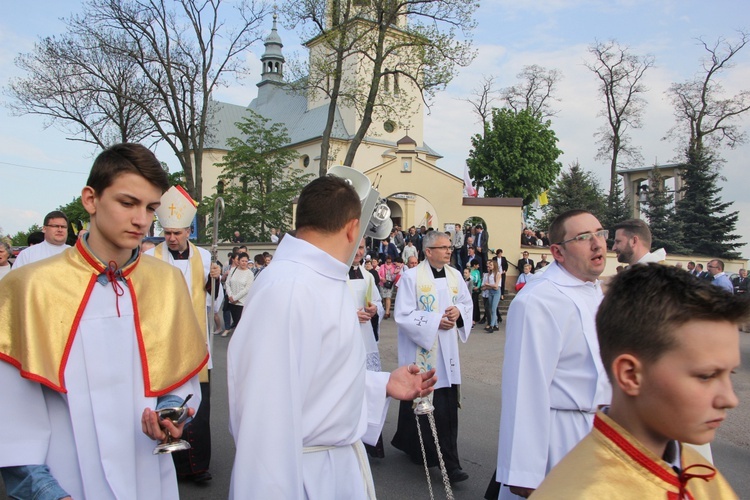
x=575 y=189
x=666 y=230
x=516 y=156
x=20 y=239
x=707 y=227
x=617 y=208
x=258 y=188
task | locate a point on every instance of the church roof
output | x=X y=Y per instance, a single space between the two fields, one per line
x=290 y=110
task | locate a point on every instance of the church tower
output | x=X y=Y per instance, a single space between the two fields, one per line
x=272 y=60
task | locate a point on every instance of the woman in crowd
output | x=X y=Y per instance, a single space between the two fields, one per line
x=491 y=283
x=238 y=284
x=389 y=275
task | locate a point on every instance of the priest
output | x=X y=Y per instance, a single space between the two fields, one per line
x=87 y=350
x=300 y=399
x=176 y=214
x=433 y=310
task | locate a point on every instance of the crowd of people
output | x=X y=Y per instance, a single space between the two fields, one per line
x=607 y=391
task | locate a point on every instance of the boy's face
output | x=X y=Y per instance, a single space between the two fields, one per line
x=122 y=213
x=685 y=393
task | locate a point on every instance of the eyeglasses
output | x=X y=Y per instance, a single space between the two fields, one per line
x=587 y=236
x=56 y=226
x=443 y=248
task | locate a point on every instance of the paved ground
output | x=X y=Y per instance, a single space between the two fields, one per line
x=397 y=478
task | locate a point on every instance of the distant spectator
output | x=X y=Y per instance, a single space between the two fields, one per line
x=5 y=253
x=720 y=278
x=236 y=238
x=274 y=235
x=543 y=262
x=741 y=283
x=35 y=238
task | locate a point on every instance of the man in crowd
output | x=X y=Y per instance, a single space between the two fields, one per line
x=458 y=243
x=700 y=273
x=55 y=234
x=525 y=260
x=176 y=214
x=741 y=283
x=553 y=379
x=503 y=265
x=481 y=242
x=117 y=337
x=719 y=277
x=691 y=268
x=412 y=262
x=433 y=309
x=633 y=243
x=318 y=401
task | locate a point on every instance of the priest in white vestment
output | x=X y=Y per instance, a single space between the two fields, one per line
x=55 y=231
x=300 y=399
x=433 y=310
x=87 y=350
x=553 y=378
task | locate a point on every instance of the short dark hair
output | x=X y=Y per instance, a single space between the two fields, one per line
x=646 y=302
x=126 y=158
x=327 y=204
x=55 y=214
x=243 y=255
x=635 y=227
x=260 y=259
x=557 y=228
x=35 y=238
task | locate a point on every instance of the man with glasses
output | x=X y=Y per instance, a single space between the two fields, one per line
x=553 y=379
x=433 y=309
x=718 y=276
x=55 y=234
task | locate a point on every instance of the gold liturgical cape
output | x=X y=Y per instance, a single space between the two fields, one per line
x=42 y=303
x=611 y=463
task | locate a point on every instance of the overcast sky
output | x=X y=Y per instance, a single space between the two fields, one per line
x=40 y=169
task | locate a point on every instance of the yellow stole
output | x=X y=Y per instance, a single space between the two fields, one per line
x=42 y=304
x=197 y=288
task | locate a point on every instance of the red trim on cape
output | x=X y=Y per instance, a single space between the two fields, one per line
x=73 y=331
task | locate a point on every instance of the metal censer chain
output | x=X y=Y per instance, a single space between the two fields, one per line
x=424 y=407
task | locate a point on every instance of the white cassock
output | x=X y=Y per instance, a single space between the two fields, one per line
x=38 y=252
x=300 y=399
x=553 y=377
x=418 y=328
x=91 y=437
x=359 y=288
x=184 y=267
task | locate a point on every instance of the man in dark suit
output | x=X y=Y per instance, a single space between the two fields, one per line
x=701 y=274
x=503 y=268
x=525 y=260
x=741 y=283
x=481 y=242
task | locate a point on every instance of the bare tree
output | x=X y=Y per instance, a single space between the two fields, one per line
x=534 y=91
x=482 y=98
x=400 y=42
x=701 y=109
x=178 y=51
x=77 y=85
x=620 y=76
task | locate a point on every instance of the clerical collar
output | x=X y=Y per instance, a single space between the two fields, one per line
x=438 y=274
x=355 y=273
x=177 y=255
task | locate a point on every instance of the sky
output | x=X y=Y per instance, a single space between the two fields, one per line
x=42 y=168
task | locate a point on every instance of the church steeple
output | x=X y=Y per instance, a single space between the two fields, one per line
x=272 y=59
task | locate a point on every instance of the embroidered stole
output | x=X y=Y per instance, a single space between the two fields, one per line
x=427 y=300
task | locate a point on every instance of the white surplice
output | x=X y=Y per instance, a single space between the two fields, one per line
x=297 y=380
x=553 y=378
x=359 y=288
x=91 y=437
x=417 y=328
x=38 y=252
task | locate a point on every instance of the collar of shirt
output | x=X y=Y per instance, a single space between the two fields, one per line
x=177 y=255
x=300 y=251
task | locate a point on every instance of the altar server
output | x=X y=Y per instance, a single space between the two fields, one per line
x=90 y=341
